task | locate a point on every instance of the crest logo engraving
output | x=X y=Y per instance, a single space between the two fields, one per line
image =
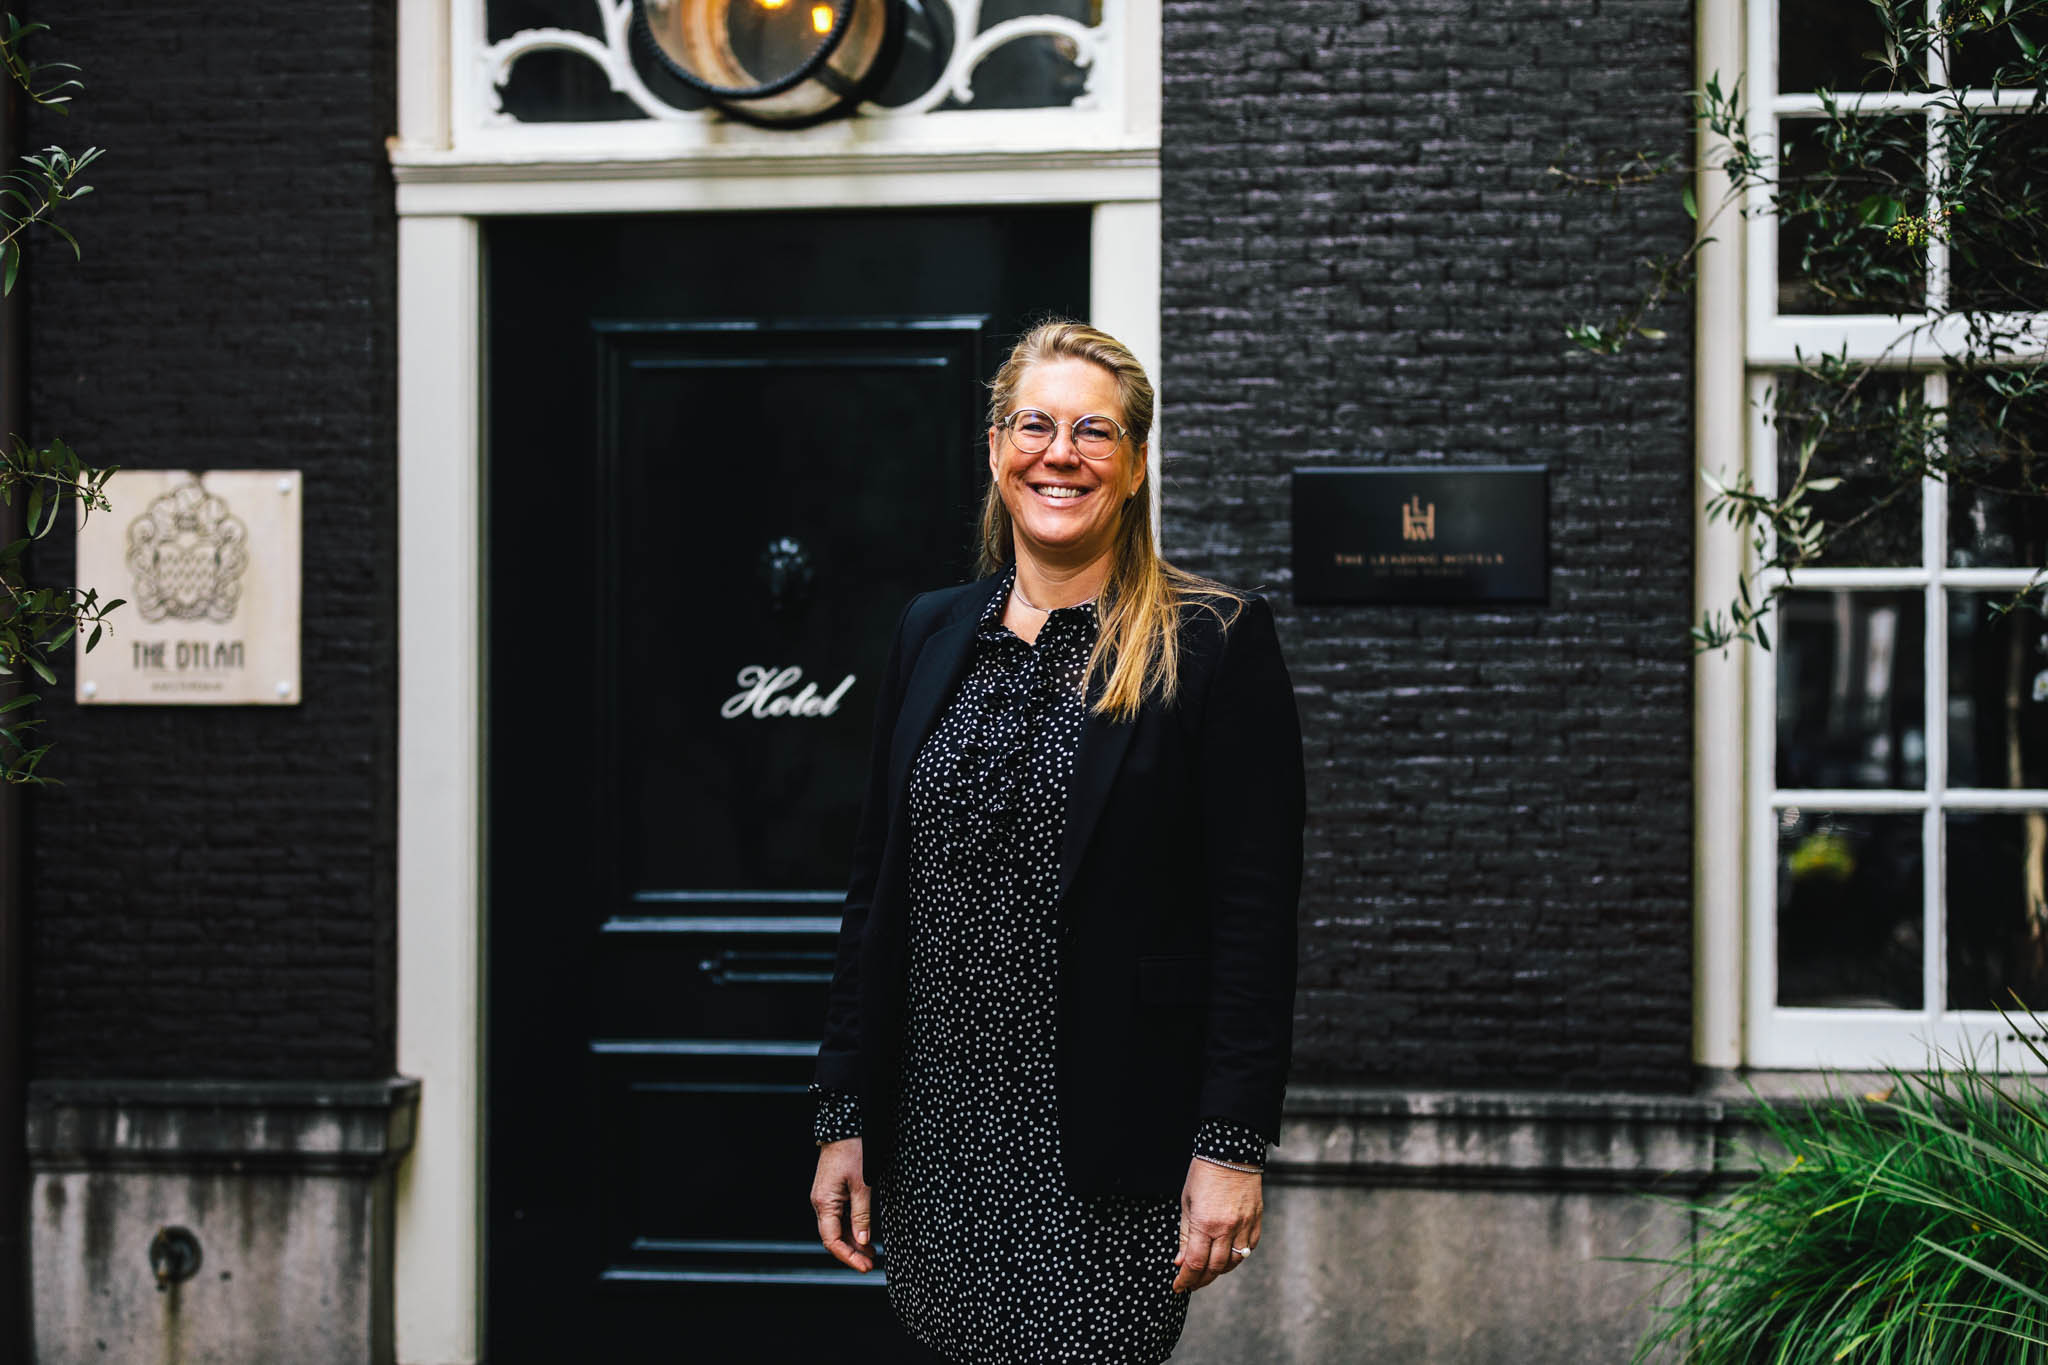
x=1418 y=521
x=187 y=553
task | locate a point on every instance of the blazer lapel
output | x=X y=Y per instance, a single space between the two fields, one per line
x=937 y=672
x=1103 y=743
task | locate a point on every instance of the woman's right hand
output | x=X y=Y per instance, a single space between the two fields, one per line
x=840 y=1199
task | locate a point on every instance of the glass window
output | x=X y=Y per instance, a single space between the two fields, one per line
x=1997 y=896
x=2015 y=151
x=1849 y=916
x=1997 y=691
x=1850 y=706
x=1044 y=57
x=1998 y=490
x=1852 y=442
x=1899 y=825
x=1863 y=159
x=1821 y=44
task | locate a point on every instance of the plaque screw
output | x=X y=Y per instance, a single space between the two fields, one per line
x=284 y=485
x=284 y=689
x=91 y=689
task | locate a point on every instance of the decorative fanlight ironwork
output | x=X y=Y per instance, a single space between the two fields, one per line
x=781 y=62
x=620 y=28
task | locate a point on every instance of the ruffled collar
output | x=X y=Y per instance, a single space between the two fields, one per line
x=1064 y=626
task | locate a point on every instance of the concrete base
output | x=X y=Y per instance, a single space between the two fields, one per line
x=284 y=1190
x=1447 y=1277
x=1466 y=1228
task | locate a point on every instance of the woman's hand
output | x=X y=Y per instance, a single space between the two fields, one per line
x=840 y=1199
x=1219 y=1209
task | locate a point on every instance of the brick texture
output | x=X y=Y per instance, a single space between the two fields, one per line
x=1367 y=262
x=213 y=887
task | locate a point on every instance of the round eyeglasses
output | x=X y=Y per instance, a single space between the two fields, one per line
x=1032 y=431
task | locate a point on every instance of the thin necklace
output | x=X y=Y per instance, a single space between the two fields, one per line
x=1017 y=592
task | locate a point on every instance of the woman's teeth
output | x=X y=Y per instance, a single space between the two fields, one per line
x=1061 y=492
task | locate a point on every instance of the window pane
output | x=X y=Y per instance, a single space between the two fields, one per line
x=1830 y=260
x=503 y=18
x=1997 y=692
x=927 y=46
x=1849 y=921
x=1036 y=72
x=1821 y=45
x=1849 y=689
x=1998 y=484
x=563 y=87
x=1854 y=432
x=1997 y=909
x=2008 y=156
x=1975 y=55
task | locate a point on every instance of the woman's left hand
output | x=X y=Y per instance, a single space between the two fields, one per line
x=1220 y=1210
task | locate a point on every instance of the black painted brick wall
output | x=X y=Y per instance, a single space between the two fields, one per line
x=212 y=888
x=1367 y=261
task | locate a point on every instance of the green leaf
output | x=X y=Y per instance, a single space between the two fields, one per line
x=1691 y=202
x=16 y=703
x=42 y=670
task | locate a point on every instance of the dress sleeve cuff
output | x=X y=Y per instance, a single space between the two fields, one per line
x=1222 y=1140
x=837 y=1117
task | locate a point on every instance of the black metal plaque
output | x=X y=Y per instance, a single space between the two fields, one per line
x=1422 y=534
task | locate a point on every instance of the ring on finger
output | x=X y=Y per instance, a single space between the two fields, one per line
x=1240 y=1251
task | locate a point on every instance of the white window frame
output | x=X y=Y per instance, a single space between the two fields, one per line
x=449 y=177
x=1771 y=1035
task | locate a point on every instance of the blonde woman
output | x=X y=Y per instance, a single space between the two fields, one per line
x=1061 y=1019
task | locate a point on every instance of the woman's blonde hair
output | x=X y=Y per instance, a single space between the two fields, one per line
x=1137 y=651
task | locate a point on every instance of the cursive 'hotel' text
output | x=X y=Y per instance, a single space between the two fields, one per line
x=764 y=692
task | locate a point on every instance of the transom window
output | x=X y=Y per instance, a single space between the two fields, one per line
x=1898 y=837
x=576 y=62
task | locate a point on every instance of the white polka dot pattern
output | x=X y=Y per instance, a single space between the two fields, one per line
x=989 y=1258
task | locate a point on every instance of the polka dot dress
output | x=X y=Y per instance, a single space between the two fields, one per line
x=989 y=1259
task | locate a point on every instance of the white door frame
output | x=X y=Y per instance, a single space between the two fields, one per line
x=441 y=200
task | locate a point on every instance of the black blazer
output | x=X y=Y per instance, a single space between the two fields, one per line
x=1179 y=876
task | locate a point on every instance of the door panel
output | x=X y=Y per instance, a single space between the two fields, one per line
x=723 y=451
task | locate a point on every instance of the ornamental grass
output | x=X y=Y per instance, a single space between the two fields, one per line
x=1905 y=1226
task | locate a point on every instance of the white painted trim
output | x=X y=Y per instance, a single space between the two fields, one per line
x=1144 y=88
x=1123 y=300
x=1719 y=403
x=1760 y=953
x=424 y=97
x=440 y=185
x=440 y=788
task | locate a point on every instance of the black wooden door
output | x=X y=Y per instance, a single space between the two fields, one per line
x=723 y=451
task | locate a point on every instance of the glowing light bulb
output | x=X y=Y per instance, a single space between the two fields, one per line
x=821 y=18
x=771 y=4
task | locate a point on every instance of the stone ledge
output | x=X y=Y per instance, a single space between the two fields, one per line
x=334 y=1126
x=1510 y=1139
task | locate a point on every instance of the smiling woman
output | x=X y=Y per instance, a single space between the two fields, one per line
x=1059 y=1026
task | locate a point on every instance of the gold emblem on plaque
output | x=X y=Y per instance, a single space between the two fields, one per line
x=1418 y=520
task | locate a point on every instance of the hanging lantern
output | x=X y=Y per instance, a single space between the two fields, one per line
x=783 y=63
